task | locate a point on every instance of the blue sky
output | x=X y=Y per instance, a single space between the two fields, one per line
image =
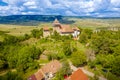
x=97 y=8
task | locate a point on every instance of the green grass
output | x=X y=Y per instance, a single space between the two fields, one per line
x=96 y=23
x=17 y=30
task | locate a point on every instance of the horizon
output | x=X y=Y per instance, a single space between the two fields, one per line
x=111 y=17
x=90 y=8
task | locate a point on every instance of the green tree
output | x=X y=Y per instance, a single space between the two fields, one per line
x=56 y=36
x=116 y=65
x=83 y=38
x=78 y=58
x=37 y=33
x=67 y=48
x=105 y=60
x=10 y=40
x=26 y=57
x=51 y=31
x=2 y=61
x=85 y=35
x=11 y=76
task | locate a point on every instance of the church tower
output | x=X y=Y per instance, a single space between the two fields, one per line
x=56 y=23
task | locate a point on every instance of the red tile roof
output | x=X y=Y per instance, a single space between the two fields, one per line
x=39 y=75
x=78 y=75
x=66 y=28
x=53 y=67
x=46 y=28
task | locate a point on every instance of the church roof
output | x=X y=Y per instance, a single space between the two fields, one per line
x=66 y=28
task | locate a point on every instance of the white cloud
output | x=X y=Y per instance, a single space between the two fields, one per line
x=115 y=3
x=29 y=3
x=69 y=7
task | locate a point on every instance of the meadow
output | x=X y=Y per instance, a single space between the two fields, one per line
x=96 y=23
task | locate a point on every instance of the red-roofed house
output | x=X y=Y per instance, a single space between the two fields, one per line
x=78 y=75
x=47 y=71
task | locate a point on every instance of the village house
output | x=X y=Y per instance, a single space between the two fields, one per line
x=63 y=29
x=78 y=75
x=47 y=71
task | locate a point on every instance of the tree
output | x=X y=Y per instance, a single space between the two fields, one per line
x=2 y=61
x=83 y=38
x=78 y=58
x=101 y=44
x=116 y=50
x=67 y=48
x=37 y=33
x=56 y=36
x=41 y=32
x=85 y=35
x=51 y=31
x=26 y=57
x=88 y=32
x=116 y=65
x=105 y=60
x=10 y=40
x=11 y=76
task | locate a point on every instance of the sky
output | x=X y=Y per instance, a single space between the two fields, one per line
x=96 y=8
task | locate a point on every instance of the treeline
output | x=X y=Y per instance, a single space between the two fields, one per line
x=34 y=20
x=28 y=20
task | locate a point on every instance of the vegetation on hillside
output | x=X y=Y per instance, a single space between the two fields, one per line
x=20 y=56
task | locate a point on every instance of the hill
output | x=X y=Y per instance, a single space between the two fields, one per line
x=34 y=20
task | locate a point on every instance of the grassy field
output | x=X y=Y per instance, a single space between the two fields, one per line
x=17 y=30
x=96 y=23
